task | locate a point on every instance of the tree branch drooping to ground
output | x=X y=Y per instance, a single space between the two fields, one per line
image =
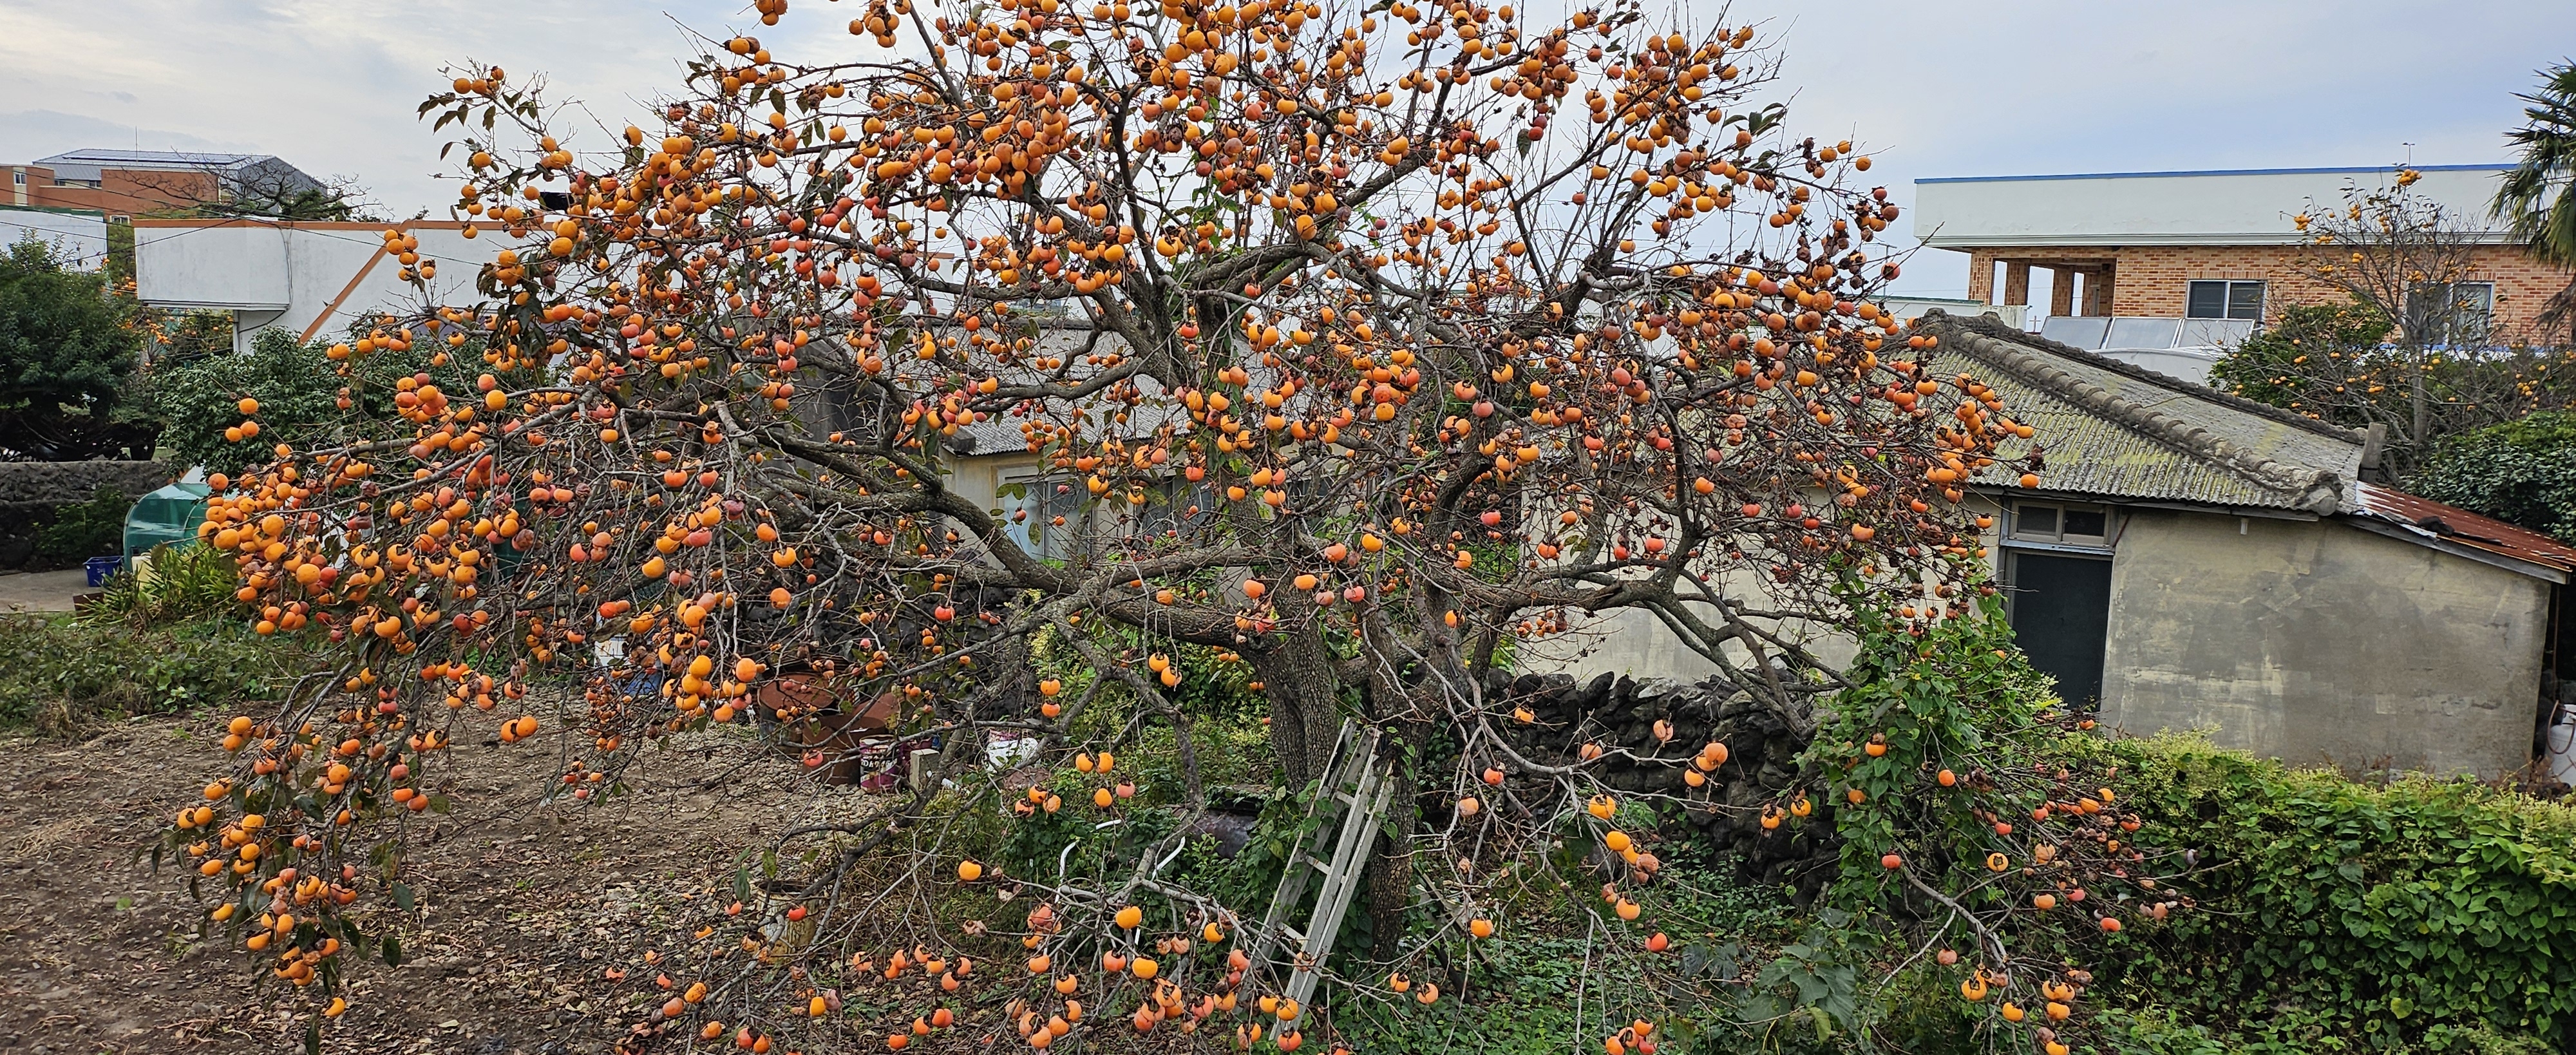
x=1357 y=348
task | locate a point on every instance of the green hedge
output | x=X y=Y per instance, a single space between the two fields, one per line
x=2341 y=916
x=2520 y=471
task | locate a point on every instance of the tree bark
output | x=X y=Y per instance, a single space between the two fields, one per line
x=1302 y=685
x=1390 y=888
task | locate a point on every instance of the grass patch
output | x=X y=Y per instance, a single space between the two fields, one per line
x=66 y=677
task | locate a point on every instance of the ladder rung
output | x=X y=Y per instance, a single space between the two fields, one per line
x=1319 y=863
x=1293 y=933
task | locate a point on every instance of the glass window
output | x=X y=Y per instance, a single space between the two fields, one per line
x=2045 y=522
x=2245 y=300
x=1176 y=506
x=2208 y=300
x=1042 y=513
x=2224 y=299
x=2449 y=313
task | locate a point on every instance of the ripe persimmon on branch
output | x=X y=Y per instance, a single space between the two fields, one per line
x=1352 y=346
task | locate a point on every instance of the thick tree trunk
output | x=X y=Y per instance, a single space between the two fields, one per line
x=1390 y=888
x=1301 y=681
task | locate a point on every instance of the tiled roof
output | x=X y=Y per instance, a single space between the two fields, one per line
x=2115 y=430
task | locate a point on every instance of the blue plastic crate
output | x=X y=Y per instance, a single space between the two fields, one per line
x=99 y=568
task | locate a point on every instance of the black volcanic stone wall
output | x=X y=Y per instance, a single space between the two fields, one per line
x=1723 y=821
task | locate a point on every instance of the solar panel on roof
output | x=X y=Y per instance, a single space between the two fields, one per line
x=2082 y=331
x=2143 y=332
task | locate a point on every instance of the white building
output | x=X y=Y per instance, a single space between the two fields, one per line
x=308 y=278
x=78 y=237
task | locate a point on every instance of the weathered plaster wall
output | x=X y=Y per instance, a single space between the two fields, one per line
x=1635 y=644
x=2312 y=641
x=2318 y=642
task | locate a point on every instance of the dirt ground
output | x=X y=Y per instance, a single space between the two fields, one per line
x=523 y=910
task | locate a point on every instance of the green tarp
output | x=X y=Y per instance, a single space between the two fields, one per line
x=170 y=514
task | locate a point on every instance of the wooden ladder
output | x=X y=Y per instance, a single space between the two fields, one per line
x=1355 y=792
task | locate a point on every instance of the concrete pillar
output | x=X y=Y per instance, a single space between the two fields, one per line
x=1981 y=275
x=2016 y=282
x=923 y=768
x=2061 y=291
x=2097 y=291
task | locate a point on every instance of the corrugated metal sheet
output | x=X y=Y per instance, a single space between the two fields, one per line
x=2434 y=520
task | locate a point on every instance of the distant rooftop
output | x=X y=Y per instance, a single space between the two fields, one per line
x=2206 y=207
x=85 y=165
x=2348 y=170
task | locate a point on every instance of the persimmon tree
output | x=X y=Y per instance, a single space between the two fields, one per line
x=1356 y=347
x=2411 y=349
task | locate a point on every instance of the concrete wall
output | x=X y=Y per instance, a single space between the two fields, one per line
x=1636 y=644
x=2250 y=207
x=2317 y=642
x=311 y=279
x=2311 y=641
x=78 y=238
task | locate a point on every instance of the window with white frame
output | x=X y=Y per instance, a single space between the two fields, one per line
x=2061 y=522
x=2446 y=313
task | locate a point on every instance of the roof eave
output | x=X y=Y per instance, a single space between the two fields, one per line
x=1962 y=243
x=2434 y=541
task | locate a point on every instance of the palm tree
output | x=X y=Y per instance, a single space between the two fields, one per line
x=2538 y=197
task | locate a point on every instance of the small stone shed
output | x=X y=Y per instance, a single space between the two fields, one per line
x=2193 y=560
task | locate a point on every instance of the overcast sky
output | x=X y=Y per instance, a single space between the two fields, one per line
x=1935 y=88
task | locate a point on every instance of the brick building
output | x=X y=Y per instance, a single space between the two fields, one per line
x=2205 y=248
x=142 y=182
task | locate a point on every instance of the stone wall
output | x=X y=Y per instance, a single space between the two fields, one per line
x=55 y=483
x=1763 y=747
x=32 y=493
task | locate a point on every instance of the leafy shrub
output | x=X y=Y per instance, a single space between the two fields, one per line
x=299 y=389
x=81 y=530
x=2274 y=364
x=171 y=584
x=2341 y=363
x=65 y=676
x=2522 y=472
x=64 y=354
x=2339 y=916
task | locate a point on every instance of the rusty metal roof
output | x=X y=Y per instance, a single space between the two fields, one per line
x=2434 y=522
